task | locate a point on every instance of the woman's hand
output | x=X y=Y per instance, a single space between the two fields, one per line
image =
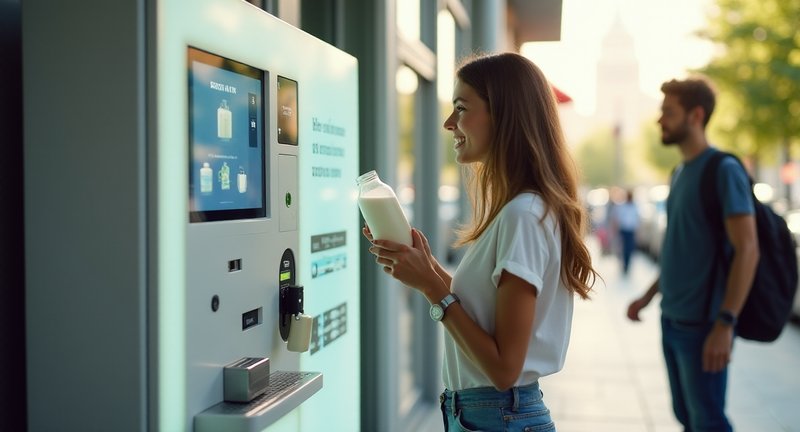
x=411 y=265
x=367 y=233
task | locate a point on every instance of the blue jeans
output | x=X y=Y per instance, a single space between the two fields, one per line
x=628 y=246
x=698 y=398
x=486 y=409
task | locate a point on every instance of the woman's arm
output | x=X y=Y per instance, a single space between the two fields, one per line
x=502 y=355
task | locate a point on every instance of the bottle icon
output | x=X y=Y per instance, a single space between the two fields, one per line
x=224 y=121
x=381 y=210
x=206 y=174
x=225 y=176
x=241 y=180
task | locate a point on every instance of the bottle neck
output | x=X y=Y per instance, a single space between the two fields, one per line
x=366 y=178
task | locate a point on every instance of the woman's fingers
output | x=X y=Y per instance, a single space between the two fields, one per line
x=382 y=255
x=420 y=239
x=367 y=233
x=384 y=261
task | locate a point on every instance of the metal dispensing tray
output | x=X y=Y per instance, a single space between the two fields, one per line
x=286 y=391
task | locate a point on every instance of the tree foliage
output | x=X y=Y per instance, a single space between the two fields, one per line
x=595 y=159
x=659 y=158
x=757 y=72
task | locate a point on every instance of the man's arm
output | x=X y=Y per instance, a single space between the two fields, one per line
x=741 y=230
x=640 y=303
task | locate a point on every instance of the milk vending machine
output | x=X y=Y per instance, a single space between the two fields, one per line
x=249 y=208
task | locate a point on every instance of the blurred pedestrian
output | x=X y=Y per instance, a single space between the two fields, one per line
x=507 y=309
x=699 y=300
x=626 y=219
x=608 y=234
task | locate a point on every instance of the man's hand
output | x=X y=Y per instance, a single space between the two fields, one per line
x=717 y=348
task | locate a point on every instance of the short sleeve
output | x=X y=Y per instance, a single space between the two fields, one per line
x=521 y=247
x=734 y=185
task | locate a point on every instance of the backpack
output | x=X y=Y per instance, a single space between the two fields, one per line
x=769 y=304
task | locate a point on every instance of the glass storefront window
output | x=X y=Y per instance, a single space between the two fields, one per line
x=407 y=83
x=449 y=180
x=408 y=22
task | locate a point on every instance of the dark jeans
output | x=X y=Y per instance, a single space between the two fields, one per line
x=698 y=398
x=628 y=245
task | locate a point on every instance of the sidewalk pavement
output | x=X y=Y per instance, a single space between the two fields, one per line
x=614 y=378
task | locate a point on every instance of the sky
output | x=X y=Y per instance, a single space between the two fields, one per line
x=663 y=38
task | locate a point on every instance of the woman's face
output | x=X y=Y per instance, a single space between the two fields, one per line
x=470 y=123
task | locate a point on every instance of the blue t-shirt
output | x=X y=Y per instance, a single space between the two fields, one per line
x=687 y=255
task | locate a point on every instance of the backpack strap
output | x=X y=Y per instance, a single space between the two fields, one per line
x=709 y=194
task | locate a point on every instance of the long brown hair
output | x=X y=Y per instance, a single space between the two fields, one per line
x=527 y=153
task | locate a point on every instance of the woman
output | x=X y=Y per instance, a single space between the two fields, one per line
x=508 y=307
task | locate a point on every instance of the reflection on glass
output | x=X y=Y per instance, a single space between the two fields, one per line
x=409 y=393
x=449 y=179
x=446 y=55
x=407 y=81
x=408 y=19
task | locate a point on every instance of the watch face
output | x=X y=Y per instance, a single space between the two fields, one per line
x=726 y=318
x=436 y=312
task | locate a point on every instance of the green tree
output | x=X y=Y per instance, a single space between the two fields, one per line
x=595 y=159
x=757 y=74
x=660 y=159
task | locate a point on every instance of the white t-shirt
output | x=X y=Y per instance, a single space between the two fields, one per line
x=519 y=242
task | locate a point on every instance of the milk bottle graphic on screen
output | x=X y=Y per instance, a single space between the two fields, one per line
x=224 y=177
x=241 y=180
x=381 y=210
x=206 y=183
x=224 y=121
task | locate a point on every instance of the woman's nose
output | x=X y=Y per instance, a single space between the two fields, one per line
x=449 y=124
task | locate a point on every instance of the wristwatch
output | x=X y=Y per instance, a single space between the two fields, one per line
x=437 y=309
x=726 y=318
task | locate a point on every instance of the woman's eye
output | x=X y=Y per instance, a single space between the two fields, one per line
x=460 y=108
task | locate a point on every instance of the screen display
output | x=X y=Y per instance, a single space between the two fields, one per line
x=226 y=139
x=287 y=111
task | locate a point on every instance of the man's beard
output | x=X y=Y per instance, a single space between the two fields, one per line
x=679 y=135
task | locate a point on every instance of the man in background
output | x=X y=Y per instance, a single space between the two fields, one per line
x=699 y=301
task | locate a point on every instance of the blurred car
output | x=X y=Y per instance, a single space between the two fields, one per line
x=597 y=206
x=653 y=220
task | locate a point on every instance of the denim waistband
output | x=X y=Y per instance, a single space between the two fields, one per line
x=490 y=397
x=685 y=323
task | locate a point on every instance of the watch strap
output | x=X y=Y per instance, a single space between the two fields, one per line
x=727 y=318
x=438 y=309
x=449 y=300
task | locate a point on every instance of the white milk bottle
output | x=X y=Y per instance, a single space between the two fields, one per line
x=381 y=210
x=206 y=184
x=224 y=121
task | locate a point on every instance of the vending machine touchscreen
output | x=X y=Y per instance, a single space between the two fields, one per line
x=226 y=139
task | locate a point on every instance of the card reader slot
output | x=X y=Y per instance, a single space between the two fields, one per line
x=252 y=318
